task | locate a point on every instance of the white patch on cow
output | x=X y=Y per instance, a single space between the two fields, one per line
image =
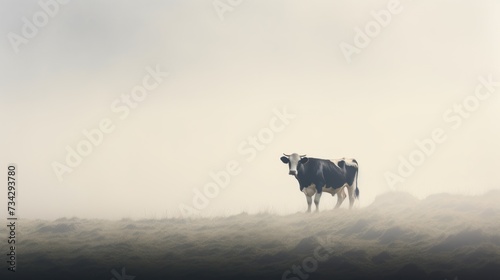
x=335 y=161
x=339 y=190
x=352 y=195
x=340 y=195
x=317 y=197
x=331 y=191
x=309 y=200
x=310 y=190
x=348 y=162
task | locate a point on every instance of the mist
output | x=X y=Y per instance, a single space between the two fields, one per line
x=219 y=78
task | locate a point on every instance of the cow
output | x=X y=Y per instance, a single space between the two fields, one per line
x=316 y=176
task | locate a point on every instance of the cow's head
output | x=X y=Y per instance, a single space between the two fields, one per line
x=293 y=160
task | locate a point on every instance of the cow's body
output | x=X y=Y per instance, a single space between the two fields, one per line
x=316 y=176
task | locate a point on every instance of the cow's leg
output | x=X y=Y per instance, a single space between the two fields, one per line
x=317 y=197
x=352 y=197
x=340 y=197
x=309 y=202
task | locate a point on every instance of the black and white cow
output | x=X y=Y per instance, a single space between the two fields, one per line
x=316 y=176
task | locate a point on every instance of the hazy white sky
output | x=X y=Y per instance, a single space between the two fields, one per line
x=227 y=75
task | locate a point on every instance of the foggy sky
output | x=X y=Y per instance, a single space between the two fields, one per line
x=226 y=80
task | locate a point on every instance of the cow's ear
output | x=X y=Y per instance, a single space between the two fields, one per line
x=284 y=159
x=341 y=163
x=304 y=160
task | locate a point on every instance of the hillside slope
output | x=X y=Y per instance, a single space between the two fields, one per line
x=397 y=237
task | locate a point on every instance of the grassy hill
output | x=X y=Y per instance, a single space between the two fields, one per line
x=397 y=237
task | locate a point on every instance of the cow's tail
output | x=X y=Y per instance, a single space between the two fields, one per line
x=356 y=192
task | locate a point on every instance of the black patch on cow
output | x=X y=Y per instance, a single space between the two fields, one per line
x=324 y=172
x=351 y=172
